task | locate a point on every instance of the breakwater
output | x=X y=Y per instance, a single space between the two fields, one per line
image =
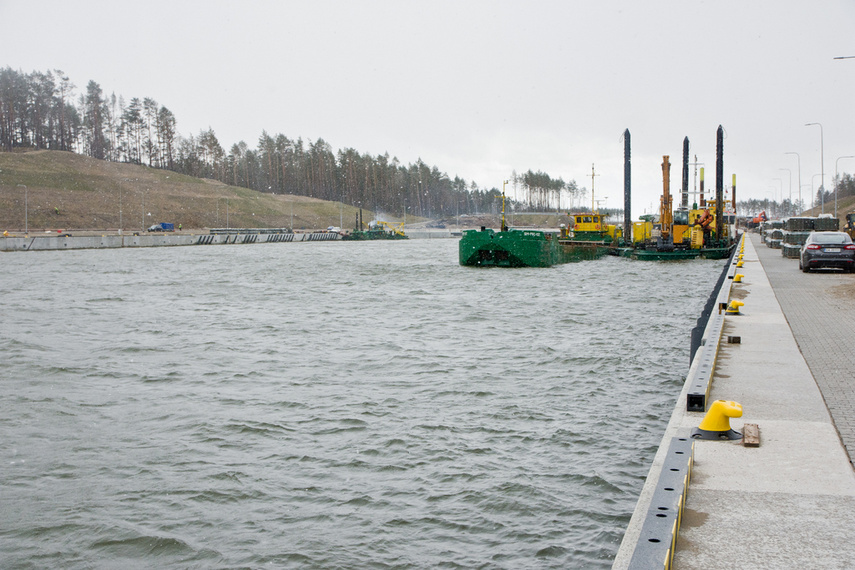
x=69 y=241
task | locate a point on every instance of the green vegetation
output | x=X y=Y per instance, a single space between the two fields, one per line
x=40 y=111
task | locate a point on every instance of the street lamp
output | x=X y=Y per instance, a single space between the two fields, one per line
x=790 y=172
x=812 y=178
x=837 y=182
x=807 y=186
x=26 y=210
x=821 y=163
x=799 y=163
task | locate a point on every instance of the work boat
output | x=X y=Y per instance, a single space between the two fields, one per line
x=708 y=231
x=510 y=247
x=376 y=230
x=686 y=233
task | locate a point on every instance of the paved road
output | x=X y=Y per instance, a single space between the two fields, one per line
x=820 y=308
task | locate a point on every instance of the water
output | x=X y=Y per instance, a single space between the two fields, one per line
x=331 y=405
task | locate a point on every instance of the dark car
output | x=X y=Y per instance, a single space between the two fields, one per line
x=827 y=249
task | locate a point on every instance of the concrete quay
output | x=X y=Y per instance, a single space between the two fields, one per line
x=96 y=240
x=789 y=503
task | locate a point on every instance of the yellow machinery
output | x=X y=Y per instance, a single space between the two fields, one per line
x=849 y=227
x=590 y=227
x=397 y=229
x=641 y=231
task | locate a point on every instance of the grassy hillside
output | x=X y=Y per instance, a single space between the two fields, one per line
x=69 y=191
x=845 y=206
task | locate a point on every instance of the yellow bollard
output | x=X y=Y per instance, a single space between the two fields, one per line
x=738 y=278
x=733 y=308
x=739 y=263
x=716 y=424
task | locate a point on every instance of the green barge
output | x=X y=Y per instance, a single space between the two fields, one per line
x=588 y=238
x=524 y=248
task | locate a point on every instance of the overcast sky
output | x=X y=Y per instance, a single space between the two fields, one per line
x=482 y=88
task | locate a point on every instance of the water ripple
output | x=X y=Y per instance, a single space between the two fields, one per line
x=331 y=405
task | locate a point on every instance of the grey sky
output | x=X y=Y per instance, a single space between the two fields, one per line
x=482 y=88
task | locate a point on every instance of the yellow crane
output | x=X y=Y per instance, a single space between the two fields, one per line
x=397 y=229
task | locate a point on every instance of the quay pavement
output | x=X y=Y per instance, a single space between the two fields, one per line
x=820 y=309
x=789 y=503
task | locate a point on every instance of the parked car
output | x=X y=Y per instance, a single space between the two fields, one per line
x=162 y=227
x=827 y=249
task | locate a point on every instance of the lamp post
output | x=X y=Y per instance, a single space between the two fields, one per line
x=790 y=172
x=799 y=163
x=837 y=181
x=812 y=178
x=821 y=164
x=26 y=210
x=458 y=211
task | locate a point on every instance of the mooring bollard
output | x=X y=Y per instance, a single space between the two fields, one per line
x=716 y=424
x=733 y=308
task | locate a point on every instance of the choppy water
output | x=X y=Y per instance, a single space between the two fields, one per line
x=331 y=405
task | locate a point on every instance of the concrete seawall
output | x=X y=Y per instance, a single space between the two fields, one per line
x=63 y=242
x=787 y=503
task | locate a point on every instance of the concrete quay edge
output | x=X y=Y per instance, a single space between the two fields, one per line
x=789 y=503
x=40 y=242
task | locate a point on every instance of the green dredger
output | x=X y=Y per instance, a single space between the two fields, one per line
x=376 y=230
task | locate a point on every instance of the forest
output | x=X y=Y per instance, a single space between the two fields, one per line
x=42 y=110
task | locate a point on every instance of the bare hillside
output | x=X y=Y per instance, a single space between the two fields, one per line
x=63 y=190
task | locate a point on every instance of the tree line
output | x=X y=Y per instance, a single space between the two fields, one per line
x=845 y=184
x=40 y=110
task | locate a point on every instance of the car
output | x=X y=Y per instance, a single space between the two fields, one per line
x=827 y=249
x=162 y=227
